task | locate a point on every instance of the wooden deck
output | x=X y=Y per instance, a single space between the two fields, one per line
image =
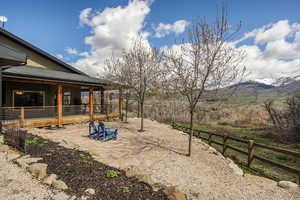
x=42 y=122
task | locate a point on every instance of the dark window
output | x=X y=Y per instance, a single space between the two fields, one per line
x=28 y=98
x=67 y=98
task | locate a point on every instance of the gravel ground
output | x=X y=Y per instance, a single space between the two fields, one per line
x=160 y=151
x=16 y=184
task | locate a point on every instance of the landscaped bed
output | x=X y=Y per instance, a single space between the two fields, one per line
x=80 y=171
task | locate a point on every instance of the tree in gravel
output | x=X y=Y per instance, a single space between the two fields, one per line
x=119 y=71
x=205 y=62
x=139 y=68
x=146 y=69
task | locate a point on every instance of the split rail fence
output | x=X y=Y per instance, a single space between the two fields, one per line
x=251 y=148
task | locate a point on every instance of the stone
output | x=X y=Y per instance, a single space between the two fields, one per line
x=178 y=196
x=61 y=196
x=49 y=179
x=4 y=148
x=1 y=139
x=145 y=178
x=72 y=197
x=213 y=150
x=60 y=185
x=132 y=171
x=25 y=161
x=174 y=194
x=287 y=184
x=11 y=155
x=90 y=191
x=236 y=169
x=84 y=198
x=39 y=170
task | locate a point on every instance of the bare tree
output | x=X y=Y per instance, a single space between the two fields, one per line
x=205 y=62
x=139 y=68
x=119 y=71
x=146 y=69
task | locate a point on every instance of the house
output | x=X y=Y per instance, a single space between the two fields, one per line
x=47 y=91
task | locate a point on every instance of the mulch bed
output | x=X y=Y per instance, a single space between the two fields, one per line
x=80 y=171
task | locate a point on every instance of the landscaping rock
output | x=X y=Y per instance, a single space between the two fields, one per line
x=49 y=179
x=25 y=161
x=39 y=170
x=132 y=171
x=60 y=185
x=234 y=167
x=90 y=191
x=4 y=148
x=174 y=194
x=287 y=185
x=145 y=178
x=1 y=139
x=61 y=196
x=10 y=156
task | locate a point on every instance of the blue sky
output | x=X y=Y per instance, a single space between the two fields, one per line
x=54 y=26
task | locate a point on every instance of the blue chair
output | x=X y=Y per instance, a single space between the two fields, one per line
x=107 y=132
x=101 y=132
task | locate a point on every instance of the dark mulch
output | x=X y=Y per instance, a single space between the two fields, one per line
x=80 y=171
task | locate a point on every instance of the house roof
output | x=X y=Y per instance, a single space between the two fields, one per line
x=10 y=56
x=39 y=51
x=36 y=73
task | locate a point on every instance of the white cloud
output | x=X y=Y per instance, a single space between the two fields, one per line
x=112 y=30
x=177 y=27
x=59 y=56
x=280 y=54
x=3 y=19
x=72 y=51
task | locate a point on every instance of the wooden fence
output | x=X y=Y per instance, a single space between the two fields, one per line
x=251 y=151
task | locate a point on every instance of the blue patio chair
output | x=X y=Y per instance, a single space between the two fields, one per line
x=94 y=131
x=107 y=132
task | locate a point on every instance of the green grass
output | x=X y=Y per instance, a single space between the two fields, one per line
x=263 y=135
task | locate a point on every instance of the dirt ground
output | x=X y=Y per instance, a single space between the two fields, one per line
x=17 y=184
x=160 y=152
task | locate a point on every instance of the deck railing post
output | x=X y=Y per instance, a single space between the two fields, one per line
x=22 y=117
x=102 y=101
x=59 y=105
x=225 y=137
x=91 y=103
x=250 y=151
x=209 y=139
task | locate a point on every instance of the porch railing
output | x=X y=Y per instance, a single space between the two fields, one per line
x=22 y=116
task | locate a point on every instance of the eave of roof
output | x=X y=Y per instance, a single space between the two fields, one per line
x=35 y=73
x=39 y=51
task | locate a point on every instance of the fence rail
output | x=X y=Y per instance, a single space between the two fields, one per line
x=251 y=148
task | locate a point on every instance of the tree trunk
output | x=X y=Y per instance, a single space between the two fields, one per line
x=138 y=109
x=191 y=132
x=142 y=116
x=126 y=109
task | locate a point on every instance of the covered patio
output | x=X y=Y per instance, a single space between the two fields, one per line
x=37 y=97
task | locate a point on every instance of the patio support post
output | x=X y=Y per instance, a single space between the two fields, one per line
x=102 y=101
x=120 y=103
x=59 y=105
x=91 y=102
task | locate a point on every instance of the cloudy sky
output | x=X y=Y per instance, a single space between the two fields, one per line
x=85 y=33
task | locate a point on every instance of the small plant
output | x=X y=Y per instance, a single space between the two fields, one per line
x=35 y=140
x=111 y=174
x=125 y=189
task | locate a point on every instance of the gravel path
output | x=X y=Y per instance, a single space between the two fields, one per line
x=16 y=184
x=160 y=150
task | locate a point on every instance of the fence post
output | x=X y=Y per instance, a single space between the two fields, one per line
x=209 y=139
x=22 y=117
x=250 y=151
x=225 y=137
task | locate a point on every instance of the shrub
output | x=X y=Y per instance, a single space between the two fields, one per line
x=111 y=174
